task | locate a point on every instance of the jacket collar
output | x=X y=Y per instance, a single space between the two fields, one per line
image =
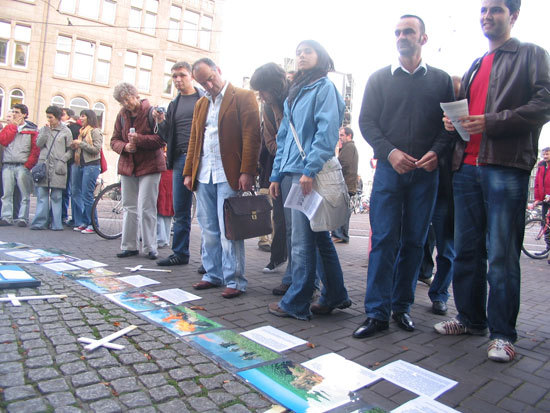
x=511 y=45
x=306 y=87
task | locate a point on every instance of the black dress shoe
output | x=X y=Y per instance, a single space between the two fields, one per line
x=201 y=270
x=152 y=255
x=369 y=327
x=127 y=253
x=404 y=321
x=439 y=307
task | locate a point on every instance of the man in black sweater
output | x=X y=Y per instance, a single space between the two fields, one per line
x=401 y=119
x=175 y=129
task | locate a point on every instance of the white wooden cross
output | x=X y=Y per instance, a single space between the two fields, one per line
x=16 y=301
x=106 y=341
x=140 y=268
x=14 y=262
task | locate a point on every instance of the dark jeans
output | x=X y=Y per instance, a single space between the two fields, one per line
x=183 y=199
x=440 y=234
x=278 y=243
x=489 y=225
x=400 y=210
x=343 y=231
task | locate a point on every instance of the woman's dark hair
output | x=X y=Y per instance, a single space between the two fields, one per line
x=91 y=117
x=306 y=77
x=271 y=78
x=56 y=111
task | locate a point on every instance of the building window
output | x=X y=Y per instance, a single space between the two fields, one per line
x=190 y=27
x=99 y=110
x=103 y=64
x=145 y=67
x=104 y=10
x=83 y=62
x=168 y=85
x=1 y=103
x=22 y=37
x=143 y=16
x=174 y=24
x=58 y=101
x=78 y=105
x=16 y=96
x=5 y=34
x=130 y=66
x=206 y=32
x=62 y=56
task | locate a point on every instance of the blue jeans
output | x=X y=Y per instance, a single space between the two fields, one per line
x=286 y=183
x=400 y=210
x=222 y=259
x=305 y=244
x=45 y=196
x=16 y=176
x=489 y=225
x=444 y=236
x=83 y=184
x=183 y=198
x=67 y=196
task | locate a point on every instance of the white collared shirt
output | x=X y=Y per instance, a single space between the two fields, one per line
x=398 y=65
x=211 y=159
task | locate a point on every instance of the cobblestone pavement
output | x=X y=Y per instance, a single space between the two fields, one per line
x=43 y=368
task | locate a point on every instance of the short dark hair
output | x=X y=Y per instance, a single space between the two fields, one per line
x=348 y=131
x=271 y=78
x=513 y=5
x=414 y=16
x=91 y=117
x=55 y=111
x=181 y=65
x=68 y=111
x=206 y=61
x=22 y=108
x=546 y=149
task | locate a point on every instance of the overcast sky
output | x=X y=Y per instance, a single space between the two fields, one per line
x=358 y=34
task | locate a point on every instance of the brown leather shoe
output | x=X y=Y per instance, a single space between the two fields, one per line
x=231 y=293
x=320 y=309
x=274 y=309
x=204 y=285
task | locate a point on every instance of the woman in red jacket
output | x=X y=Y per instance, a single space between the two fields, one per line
x=542 y=188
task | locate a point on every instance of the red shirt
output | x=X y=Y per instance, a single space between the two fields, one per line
x=476 y=105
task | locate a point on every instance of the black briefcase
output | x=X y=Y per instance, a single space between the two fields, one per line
x=247 y=216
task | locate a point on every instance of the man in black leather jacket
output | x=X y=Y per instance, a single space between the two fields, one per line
x=508 y=92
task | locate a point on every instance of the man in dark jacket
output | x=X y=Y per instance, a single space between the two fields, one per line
x=175 y=129
x=508 y=92
x=349 y=159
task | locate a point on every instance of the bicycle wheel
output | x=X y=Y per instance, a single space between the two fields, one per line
x=107 y=212
x=534 y=244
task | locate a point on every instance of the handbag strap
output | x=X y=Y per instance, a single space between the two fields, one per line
x=50 y=150
x=298 y=144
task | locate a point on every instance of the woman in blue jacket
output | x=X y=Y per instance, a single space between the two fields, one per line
x=316 y=110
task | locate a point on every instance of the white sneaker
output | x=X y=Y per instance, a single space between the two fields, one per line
x=453 y=327
x=501 y=350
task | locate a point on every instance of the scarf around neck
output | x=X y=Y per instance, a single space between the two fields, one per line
x=84 y=135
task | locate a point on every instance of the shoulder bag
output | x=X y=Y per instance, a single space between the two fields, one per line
x=40 y=171
x=329 y=182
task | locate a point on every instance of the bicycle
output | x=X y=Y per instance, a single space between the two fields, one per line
x=537 y=237
x=108 y=214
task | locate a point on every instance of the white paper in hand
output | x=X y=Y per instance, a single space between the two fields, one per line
x=454 y=111
x=308 y=204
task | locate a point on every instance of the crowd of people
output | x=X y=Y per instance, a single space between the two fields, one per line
x=431 y=187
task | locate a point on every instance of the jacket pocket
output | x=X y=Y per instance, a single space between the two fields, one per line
x=60 y=167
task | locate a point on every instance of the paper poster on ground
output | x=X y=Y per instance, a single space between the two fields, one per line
x=177 y=296
x=93 y=272
x=105 y=285
x=423 y=405
x=89 y=264
x=416 y=379
x=296 y=387
x=273 y=338
x=11 y=245
x=137 y=301
x=60 y=267
x=138 y=280
x=342 y=372
x=232 y=349
x=12 y=276
x=181 y=320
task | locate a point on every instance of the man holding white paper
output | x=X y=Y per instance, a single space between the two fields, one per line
x=508 y=92
x=400 y=120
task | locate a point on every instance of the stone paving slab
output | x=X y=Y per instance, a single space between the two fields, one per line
x=49 y=371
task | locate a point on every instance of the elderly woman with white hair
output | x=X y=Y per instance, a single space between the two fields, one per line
x=140 y=163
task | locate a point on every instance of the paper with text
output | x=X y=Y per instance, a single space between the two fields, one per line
x=308 y=204
x=176 y=296
x=423 y=405
x=454 y=111
x=273 y=338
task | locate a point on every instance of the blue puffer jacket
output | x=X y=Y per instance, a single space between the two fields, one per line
x=317 y=114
